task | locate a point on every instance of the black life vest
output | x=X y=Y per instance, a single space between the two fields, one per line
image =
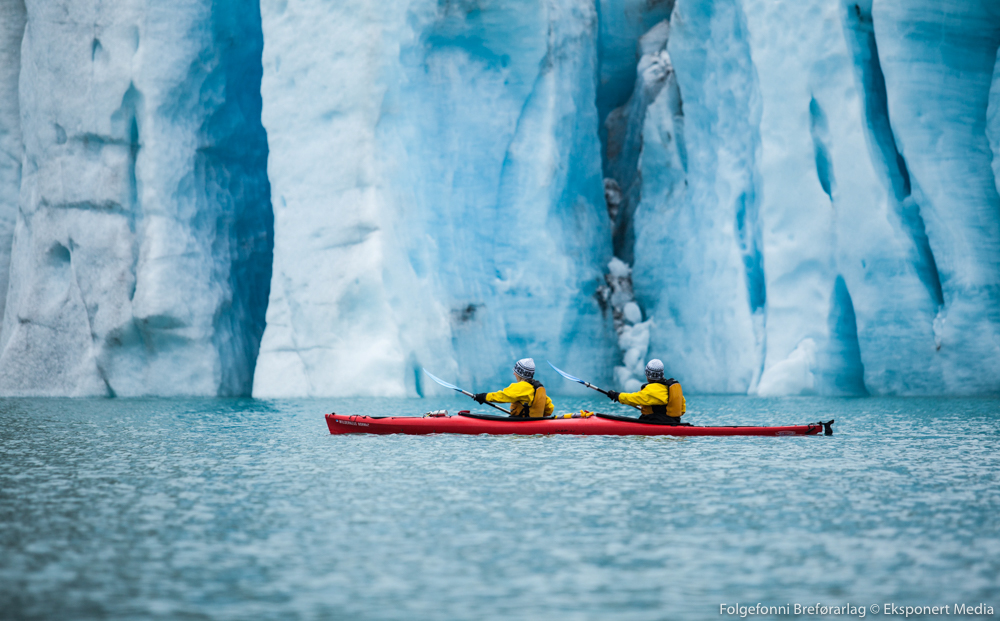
x=675 y=400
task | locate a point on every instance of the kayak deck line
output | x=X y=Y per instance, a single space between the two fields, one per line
x=591 y=425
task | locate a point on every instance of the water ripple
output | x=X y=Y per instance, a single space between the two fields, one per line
x=237 y=509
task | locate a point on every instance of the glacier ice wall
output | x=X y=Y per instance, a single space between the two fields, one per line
x=621 y=24
x=993 y=119
x=141 y=254
x=437 y=201
x=841 y=270
x=12 y=18
x=780 y=243
x=697 y=265
x=939 y=61
x=773 y=197
x=436 y=180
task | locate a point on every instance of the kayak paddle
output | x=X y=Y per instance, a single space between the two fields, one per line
x=464 y=392
x=577 y=380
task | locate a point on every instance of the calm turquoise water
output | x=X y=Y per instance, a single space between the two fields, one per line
x=246 y=509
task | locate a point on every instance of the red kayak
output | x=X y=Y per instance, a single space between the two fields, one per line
x=587 y=425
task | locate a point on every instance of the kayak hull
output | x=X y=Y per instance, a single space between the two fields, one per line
x=590 y=426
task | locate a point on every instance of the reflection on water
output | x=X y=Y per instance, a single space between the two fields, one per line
x=240 y=509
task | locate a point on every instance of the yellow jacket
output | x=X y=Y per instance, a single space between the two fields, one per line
x=520 y=395
x=654 y=394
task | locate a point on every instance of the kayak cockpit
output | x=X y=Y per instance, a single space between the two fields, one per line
x=632 y=419
x=506 y=419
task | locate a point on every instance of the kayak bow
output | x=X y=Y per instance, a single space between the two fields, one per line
x=599 y=425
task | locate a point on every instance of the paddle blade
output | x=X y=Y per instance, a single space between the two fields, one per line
x=442 y=382
x=566 y=375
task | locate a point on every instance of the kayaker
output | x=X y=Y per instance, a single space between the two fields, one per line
x=526 y=395
x=660 y=400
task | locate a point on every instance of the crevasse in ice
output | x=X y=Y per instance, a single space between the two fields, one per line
x=772 y=197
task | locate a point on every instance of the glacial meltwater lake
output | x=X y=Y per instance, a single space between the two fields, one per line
x=249 y=509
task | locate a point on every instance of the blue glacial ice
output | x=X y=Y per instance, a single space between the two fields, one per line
x=772 y=197
x=939 y=67
x=778 y=236
x=438 y=195
x=12 y=19
x=697 y=271
x=140 y=259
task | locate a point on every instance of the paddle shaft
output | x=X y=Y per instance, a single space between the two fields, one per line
x=605 y=393
x=464 y=392
x=585 y=383
x=486 y=402
x=589 y=385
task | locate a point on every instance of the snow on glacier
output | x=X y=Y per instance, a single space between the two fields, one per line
x=438 y=196
x=141 y=255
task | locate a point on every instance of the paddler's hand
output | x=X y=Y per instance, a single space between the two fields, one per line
x=480 y=398
x=613 y=395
